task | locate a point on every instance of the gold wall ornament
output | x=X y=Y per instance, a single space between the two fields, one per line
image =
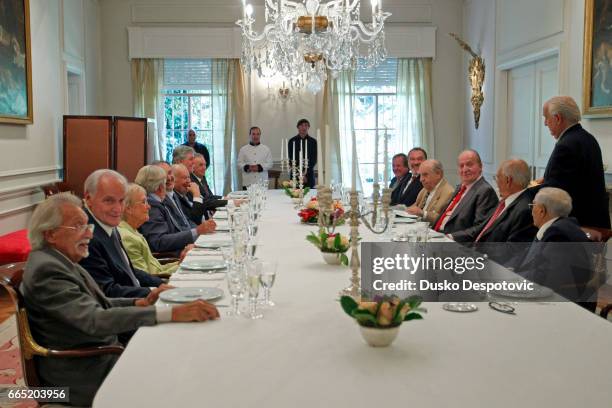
x=476 y=76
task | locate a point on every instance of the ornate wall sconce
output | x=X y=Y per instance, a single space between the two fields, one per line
x=476 y=76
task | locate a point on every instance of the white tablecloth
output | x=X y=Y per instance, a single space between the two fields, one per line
x=306 y=352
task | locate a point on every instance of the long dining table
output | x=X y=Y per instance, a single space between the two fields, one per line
x=307 y=352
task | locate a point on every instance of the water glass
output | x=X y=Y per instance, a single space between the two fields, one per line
x=253 y=274
x=267 y=278
x=235 y=285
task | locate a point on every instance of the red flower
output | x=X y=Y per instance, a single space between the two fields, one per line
x=308 y=215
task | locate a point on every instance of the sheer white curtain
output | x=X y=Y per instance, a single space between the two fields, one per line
x=331 y=132
x=414 y=103
x=147 y=82
x=228 y=98
x=345 y=89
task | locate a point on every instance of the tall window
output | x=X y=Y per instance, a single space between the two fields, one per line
x=188 y=105
x=375 y=112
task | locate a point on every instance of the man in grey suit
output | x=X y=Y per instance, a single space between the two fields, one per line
x=67 y=309
x=472 y=204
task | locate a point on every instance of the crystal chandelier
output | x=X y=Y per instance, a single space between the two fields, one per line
x=302 y=40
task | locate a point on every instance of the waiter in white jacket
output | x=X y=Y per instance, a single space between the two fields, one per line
x=254 y=159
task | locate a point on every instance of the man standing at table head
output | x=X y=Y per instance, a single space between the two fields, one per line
x=66 y=308
x=302 y=141
x=409 y=185
x=472 y=204
x=436 y=192
x=197 y=147
x=108 y=262
x=575 y=164
x=254 y=159
x=511 y=221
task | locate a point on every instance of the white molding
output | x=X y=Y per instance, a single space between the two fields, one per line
x=184 y=42
x=17 y=210
x=31 y=186
x=528 y=58
x=411 y=42
x=33 y=170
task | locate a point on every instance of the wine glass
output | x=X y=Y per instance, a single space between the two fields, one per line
x=266 y=278
x=253 y=273
x=235 y=286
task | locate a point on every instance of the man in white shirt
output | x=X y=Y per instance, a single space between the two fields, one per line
x=254 y=159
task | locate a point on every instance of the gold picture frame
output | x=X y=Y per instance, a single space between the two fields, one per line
x=15 y=63
x=597 y=65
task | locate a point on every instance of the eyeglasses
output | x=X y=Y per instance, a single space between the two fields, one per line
x=80 y=228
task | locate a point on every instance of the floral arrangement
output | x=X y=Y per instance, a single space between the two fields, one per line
x=310 y=214
x=385 y=312
x=291 y=191
x=334 y=243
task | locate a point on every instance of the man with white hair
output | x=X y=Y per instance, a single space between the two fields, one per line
x=511 y=221
x=108 y=262
x=575 y=164
x=435 y=194
x=67 y=309
x=559 y=257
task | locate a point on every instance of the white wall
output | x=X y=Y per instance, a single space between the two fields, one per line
x=278 y=118
x=31 y=155
x=507 y=31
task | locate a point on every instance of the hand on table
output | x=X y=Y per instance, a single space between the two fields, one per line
x=152 y=296
x=197 y=311
x=414 y=210
x=206 y=227
x=184 y=251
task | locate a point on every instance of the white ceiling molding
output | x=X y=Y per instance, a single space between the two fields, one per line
x=411 y=42
x=184 y=42
x=224 y=42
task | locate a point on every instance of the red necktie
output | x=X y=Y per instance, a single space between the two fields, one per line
x=498 y=211
x=450 y=207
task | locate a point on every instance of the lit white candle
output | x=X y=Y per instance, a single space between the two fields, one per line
x=293 y=155
x=354 y=167
x=376 y=157
x=320 y=158
x=282 y=149
x=306 y=143
x=386 y=152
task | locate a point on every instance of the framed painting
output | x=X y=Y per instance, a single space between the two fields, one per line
x=15 y=62
x=597 y=73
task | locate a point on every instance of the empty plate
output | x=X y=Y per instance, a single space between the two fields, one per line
x=213 y=244
x=203 y=265
x=184 y=295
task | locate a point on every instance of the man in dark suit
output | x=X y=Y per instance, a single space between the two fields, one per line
x=66 y=308
x=511 y=221
x=108 y=262
x=303 y=140
x=409 y=185
x=163 y=231
x=560 y=256
x=575 y=164
x=197 y=147
x=472 y=204
x=198 y=176
x=187 y=195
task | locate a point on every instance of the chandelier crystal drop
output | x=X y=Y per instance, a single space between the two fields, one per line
x=301 y=41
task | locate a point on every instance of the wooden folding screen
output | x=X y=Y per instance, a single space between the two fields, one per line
x=87 y=147
x=130 y=145
x=102 y=142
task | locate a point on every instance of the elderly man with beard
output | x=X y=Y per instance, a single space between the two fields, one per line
x=67 y=309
